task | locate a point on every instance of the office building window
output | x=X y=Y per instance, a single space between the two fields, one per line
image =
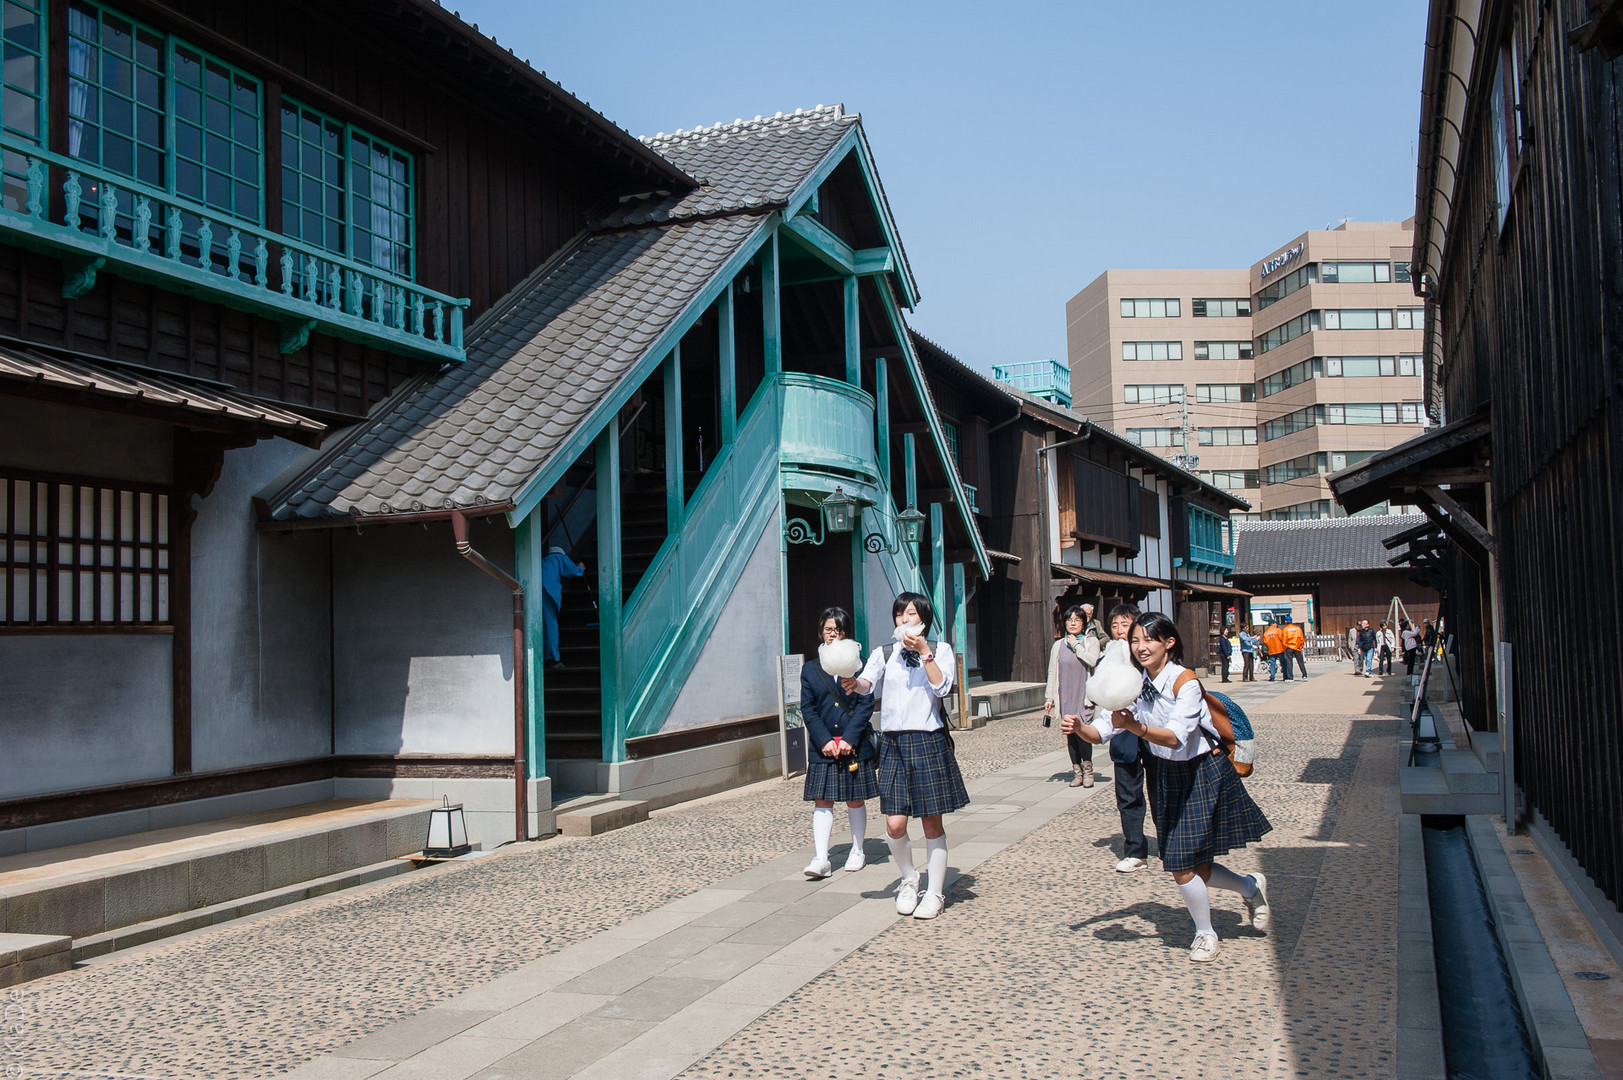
x=1223 y=350
x=1228 y=436
x=1400 y=271
x=1290 y=331
x=1358 y=319
x=1152 y=350
x=1360 y=367
x=1153 y=393
x=1276 y=291
x=1156 y=436
x=1411 y=318
x=1294 y=375
x=1221 y=392
x=1319 y=508
x=1408 y=365
x=1167 y=308
x=1355 y=273
x=1232 y=479
x=1212 y=308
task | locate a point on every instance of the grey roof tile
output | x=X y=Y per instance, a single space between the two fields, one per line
x=1325 y=545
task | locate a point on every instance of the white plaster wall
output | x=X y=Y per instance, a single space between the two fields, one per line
x=878 y=595
x=422 y=641
x=261 y=672
x=736 y=674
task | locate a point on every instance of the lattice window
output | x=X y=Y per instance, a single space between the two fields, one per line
x=82 y=553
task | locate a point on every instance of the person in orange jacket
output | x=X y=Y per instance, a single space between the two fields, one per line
x=1273 y=641
x=1295 y=641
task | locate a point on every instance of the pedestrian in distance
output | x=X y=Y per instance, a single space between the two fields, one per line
x=1127 y=767
x=840 y=762
x=1199 y=803
x=1225 y=650
x=1248 y=653
x=1295 y=643
x=1273 y=646
x=1411 y=646
x=1069 y=663
x=554 y=569
x=1095 y=629
x=1389 y=646
x=1352 y=646
x=918 y=772
x=1366 y=648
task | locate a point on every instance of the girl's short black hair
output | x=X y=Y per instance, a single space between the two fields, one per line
x=1122 y=609
x=1157 y=627
x=1074 y=609
x=921 y=605
x=842 y=621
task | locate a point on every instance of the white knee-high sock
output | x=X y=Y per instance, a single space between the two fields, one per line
x=901 y=849
x=935 y=860
x=1224 y=878
x=859 y=824
x=1199 y=904
x=822 y=828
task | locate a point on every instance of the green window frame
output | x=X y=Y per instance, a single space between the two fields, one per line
x=23 y=91
x=348 y=191
x=152 y=107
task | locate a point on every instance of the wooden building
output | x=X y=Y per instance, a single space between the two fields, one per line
x=1519 y=202
x=230 y=233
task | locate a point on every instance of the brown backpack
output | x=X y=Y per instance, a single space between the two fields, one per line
x=1224 y=735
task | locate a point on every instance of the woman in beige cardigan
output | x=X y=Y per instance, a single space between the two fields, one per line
x=1069 y=662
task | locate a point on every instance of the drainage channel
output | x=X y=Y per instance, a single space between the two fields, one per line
x=1484 y=1037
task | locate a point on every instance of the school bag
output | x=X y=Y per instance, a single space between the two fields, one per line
x=1233 y=732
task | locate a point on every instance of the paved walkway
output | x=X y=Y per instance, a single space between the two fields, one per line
x=691 y=944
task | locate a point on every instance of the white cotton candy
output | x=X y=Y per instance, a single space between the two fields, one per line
x=842 y=659
x=1115 y=683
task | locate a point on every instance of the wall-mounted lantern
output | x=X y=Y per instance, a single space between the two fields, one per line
x=909 y=528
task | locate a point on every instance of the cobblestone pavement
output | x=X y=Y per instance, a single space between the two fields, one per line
x=1045 y=962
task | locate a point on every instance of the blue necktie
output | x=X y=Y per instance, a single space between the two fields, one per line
x=1149 y=693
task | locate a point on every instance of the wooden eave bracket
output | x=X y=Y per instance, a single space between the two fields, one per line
x=1456 y=521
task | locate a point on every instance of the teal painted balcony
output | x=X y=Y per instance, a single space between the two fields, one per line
x=1208 y=543
x=827 y=426
x=93 y=220
x=1048 y=379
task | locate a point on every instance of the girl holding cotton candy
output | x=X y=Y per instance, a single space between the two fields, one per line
x=918 y=772
x=840 y=756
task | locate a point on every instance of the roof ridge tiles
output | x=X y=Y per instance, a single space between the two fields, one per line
x=739 y=124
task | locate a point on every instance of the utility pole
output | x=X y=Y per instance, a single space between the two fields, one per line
x=1184 y=460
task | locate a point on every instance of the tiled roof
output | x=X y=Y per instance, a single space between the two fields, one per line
x=1318 y=546
x=71 y=375
x=537 y=368
x=747 y=164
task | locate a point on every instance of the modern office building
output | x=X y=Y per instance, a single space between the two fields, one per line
x=1262 y=380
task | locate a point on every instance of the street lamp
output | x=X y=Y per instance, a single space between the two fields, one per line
x=839 y=515
x=909 y=530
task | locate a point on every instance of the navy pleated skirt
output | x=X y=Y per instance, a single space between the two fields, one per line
x=836 y=781
x=918 y=774
x=1201 y=810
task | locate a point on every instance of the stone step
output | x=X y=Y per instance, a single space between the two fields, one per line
x=33 y=956
x=1436 y=790
x=1005 y=698
x=90 y=889
x=602 y=817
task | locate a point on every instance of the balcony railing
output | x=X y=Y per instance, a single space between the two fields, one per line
x=93 y=219
x=1210 y=558
x=828 y=425
x=972 y=495
x=1048 y=379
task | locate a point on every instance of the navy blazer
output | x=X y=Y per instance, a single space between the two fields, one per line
x=830 y=711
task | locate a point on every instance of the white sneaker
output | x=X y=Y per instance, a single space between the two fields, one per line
x=818 y=868
x=1257 y=904
x=907 y=897
x=1204 y=948
x=856 y=860
x=1129 y=864
x=930 y=906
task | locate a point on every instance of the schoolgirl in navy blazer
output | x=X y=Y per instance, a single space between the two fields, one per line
x=829 y=711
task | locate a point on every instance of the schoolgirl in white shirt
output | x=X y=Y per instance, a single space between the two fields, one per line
x=918 y=772
x=1199 y=804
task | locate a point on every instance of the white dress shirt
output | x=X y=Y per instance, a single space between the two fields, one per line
x=908 y=698
x=1183 y=714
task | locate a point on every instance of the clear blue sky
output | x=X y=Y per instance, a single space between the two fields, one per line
x=1026 y=147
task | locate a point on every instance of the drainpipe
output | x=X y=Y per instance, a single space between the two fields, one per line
x=459 y=527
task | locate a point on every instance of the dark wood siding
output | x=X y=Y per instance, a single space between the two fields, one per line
x=1530 y=319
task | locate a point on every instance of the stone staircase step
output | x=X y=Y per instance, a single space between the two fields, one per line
x=602 y=817
x=33 y=956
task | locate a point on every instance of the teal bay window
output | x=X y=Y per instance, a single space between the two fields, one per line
x=161 y=175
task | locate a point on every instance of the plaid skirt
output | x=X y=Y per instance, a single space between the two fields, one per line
x=1201 y=810
x=918 y=774
x=831 y=780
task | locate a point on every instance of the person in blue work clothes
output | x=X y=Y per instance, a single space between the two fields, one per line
x=840 y=756
x=554 y=568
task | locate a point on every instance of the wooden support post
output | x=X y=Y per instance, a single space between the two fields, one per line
x=728 y=349
x=1461 y=518
x=859 y=590
x=771 y=312
x=853 y=334
x=938 y=561
x=881 y=398
x=910 y=480
x=675 y=493
x=609 y=599
x=531 y=538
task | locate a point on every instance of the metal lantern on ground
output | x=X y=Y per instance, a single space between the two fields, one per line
x=910 y=526
x=839 y=512
x=447 y=832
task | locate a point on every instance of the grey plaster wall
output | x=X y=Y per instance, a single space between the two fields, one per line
x=877 y=598
x=261 y=621
x=78 y=712
x=423 y=645
x=84 y=442
x=736 y=673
